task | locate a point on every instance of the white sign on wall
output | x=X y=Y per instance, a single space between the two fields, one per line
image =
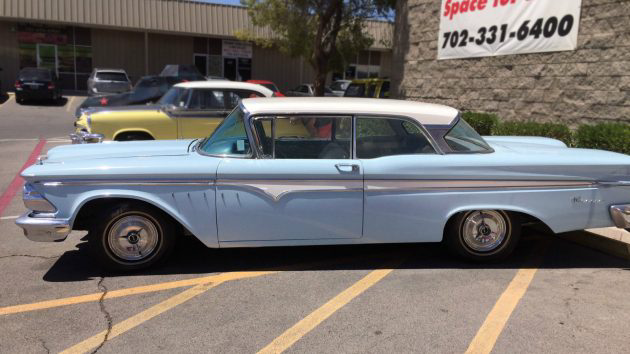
x=237 y=49
x=480 y=28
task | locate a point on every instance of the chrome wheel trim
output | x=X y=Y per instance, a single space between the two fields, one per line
x=484 y=230
x=133 y=237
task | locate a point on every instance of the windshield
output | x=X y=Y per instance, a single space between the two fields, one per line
x=339 y=85
x=229 y=139
x=176 y=96
x=272 y=87
x=355 y=90
x=463 y=138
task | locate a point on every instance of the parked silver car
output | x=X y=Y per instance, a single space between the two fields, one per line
x=339 y=87
x=108 y=81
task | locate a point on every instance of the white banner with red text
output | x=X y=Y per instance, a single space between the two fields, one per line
x=481 y=28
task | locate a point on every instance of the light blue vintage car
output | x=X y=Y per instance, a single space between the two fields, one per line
x=315 y=171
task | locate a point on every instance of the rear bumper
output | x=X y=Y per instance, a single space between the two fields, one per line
x=621 y=215
x=44 y=229
x=82 y=137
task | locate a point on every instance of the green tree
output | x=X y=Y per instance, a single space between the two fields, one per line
x=327 y=33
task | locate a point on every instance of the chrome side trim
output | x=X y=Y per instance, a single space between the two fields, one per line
x=276 y=189
x=411 y=185
x=621 y=215
x=131 y=182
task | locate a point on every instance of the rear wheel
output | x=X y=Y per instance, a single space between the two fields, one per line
x=131 y=237
x=483 y=235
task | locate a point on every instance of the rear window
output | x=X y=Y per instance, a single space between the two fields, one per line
x=355 y=90
x=34 y=74
x=111 y=76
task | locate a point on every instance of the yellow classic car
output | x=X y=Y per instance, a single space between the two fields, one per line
x=187 y=111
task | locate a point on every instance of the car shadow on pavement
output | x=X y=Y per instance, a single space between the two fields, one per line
x=192 y=257
x=3 y=97
x=45 y=103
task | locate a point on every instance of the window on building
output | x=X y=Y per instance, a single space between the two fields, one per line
x=378 y=137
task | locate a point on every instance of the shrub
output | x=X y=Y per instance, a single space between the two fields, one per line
x=550 y=130
x=483 y=123
x=605 y=136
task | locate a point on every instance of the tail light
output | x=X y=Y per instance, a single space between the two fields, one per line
x=18 y=84
x=51 y=86
x=103 y=101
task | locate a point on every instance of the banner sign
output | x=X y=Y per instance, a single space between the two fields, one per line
x=481 y=28
x=237 y=49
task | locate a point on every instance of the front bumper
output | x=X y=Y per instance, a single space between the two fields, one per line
x=44 y=229
x=621 y=215
x=82 y=137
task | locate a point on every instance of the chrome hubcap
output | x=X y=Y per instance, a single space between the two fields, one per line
x=484 y=230
x=133 y=237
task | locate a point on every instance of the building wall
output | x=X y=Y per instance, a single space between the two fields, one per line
x=168 y=49
x=9 y=55
x=590 y=84
x=119 y=49
x=284 y=71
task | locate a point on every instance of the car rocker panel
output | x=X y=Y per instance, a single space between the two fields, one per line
x=247 y=185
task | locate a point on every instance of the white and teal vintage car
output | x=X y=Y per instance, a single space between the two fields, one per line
x=315 y=171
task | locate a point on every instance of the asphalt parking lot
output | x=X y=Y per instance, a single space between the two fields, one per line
x=551 y=296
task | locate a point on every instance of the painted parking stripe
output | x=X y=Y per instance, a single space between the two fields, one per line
x=218 y=278
x=17 y=181
x=9 y=217
x=489 y=332
x=69 y=104
x=138 y=319
x=308 y=323
x=7 y=101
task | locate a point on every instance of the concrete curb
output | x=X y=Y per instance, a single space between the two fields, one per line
x=602 y=243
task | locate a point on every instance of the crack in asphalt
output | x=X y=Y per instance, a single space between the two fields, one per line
x=29 y=256
x=108 y=317
x=43 y=343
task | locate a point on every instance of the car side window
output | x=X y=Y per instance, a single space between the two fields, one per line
x=233 y=98
x=202 y=99
x=305 y=137
x=303 y=89
x=378 y=137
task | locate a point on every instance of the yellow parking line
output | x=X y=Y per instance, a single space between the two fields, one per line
x=140 y=318
x=489 y=332
x=308 y=323
x=69 y=104
x=7 y=101
x=131 y=291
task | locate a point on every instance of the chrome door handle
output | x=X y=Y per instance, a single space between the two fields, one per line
x=347 y=167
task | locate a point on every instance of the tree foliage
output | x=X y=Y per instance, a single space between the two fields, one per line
x=327 y=33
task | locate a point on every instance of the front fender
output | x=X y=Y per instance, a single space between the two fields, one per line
x=194 y=210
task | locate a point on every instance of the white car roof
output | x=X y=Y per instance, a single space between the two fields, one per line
x=424 y=113
x=226 y=84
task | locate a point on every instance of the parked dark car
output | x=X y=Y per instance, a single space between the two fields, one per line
x=185 y=72
x=149 y=89
x=37 y=84
x=108 y=81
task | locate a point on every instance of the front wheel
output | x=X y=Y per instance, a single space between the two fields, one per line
x=483 y=235
x=132 y=237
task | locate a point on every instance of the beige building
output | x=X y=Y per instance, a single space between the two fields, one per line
x=141 y=36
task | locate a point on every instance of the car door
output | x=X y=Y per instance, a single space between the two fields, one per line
x=302 y=187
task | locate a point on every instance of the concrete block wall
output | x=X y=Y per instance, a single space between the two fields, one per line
x=590 y=84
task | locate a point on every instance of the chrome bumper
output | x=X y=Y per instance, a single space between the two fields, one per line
x=44 y=229
x=621 y=215
x=84 y=138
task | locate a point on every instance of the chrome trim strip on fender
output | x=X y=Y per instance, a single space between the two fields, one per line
x=411 y=185
x=130 y=182
x=276 y=189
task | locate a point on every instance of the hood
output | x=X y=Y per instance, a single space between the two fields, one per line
x=117 y=149
x=153 y=107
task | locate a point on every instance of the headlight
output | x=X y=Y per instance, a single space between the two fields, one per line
x=34 y=201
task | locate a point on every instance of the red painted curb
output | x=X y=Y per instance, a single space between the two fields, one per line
x=17 y=181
